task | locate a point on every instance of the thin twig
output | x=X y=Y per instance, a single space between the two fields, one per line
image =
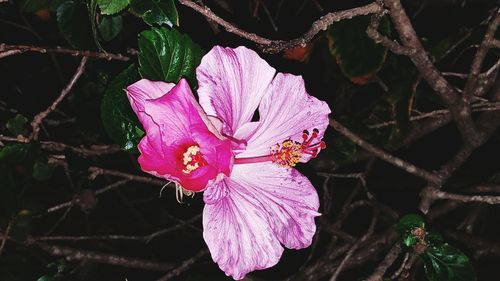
x=478 y=107
x=38 y=119
x=391 y=159
x=18 y=49
x=477 y=62
x=355 y=246
x=96 y=171
x=73 y=254
x=184 y=266
x=389 y=259
x=143 y=238
x=76 y=199
x=5 y=237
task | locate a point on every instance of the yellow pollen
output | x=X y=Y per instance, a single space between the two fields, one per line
x=190 y=164
x=288 y=153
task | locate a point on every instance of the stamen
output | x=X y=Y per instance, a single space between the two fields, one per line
x=289 y=152
x=192 y=159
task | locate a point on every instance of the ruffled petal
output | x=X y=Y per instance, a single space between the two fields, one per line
x=232 y=83
x=259 y=203
x=285 y=113
x=143 y=90
x=237 y=233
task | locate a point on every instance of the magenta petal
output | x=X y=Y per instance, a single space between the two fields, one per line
x=173 y=123
x=285 y=112
x=232 y=83
x=245 y=214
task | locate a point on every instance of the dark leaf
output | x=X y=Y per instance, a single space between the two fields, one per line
x=42 y=170
x=21 y=225
x=73 y=21
x=110 y=27
x=110 y=7
x=158 y=12
x=443 y=262
x=17 y=125
x=14 y=153
x=409 y=222
x=166 y=54
x=358 y=56
x=117 y=116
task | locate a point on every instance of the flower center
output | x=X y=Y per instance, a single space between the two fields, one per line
x=289 y=152
x=192 y=159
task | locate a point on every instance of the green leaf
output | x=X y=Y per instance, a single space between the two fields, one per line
x=117 y=116
x=358 y=56
x=409 y=222
x=42 y=170
x=110 y=7
x=168 y=55
x=73 y=21
x=158 y=12
x=406 y=225
x=443 y=262
x=14 y=153
x=17 y=125
x=110 y=27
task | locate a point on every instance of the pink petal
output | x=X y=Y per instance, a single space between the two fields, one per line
x=143 y=90
x=232 y=83
x=237 y=233
x=245 y=214
x=285 y=112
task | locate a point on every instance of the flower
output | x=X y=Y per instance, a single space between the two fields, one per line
x=255 y=201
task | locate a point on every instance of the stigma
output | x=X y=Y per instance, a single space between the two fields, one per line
x=192 y=159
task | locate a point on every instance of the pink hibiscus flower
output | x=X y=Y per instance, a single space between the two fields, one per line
x=255 y=201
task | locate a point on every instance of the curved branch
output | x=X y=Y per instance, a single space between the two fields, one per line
x=276 y=46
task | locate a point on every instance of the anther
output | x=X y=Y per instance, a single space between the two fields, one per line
x=192 y=159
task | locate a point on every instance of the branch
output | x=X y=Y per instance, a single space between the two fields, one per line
x=458 y=107
x=96 y=171
x=392 y=45
x=78 y=199
x=488 y=123
x=389 y=259
x=38 y=119
x=18 y=49
x=184 y=266
x=477 y=63
x=391 y=159
x=71 y=254
x=143 y=238
x=355 y=246
x=276 y=46
x=477 y=107
x=437 y=194
x=5 y=236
